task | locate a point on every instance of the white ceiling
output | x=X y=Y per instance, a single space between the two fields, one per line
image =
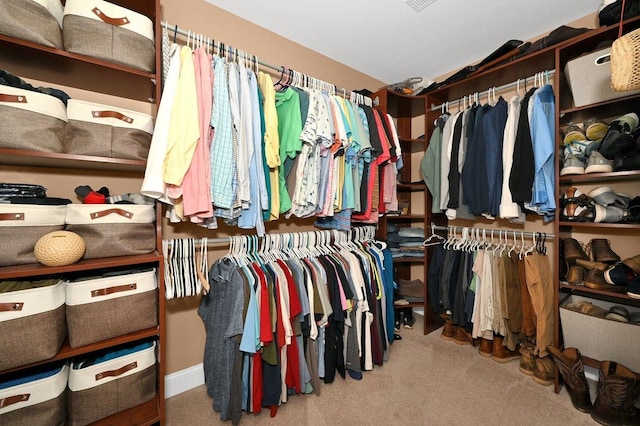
x=388 y=40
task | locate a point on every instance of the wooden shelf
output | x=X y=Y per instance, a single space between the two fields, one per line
x=600 y=177
x=620 y=295
x=70 y=69
x=600 y=225
x=408 y=260
x=38 y=270
x=411 y=187
x=19 y=157
x=405 y=217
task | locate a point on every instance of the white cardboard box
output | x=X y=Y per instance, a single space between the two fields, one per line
x=599 y=338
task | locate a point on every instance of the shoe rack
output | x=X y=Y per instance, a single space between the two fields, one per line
x=621 y=236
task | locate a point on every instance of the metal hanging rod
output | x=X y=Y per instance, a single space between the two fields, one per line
x=527 y=234
x=546 y=75
x=281 y=69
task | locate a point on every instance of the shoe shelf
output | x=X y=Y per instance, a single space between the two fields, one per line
x=612 y=296
x=411 y=187
x=416 y=260
x=600 y=177
x=599 y=225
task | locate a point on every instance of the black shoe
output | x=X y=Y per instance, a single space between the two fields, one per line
x=408 y=321
x=620 y=274
x=619 y=137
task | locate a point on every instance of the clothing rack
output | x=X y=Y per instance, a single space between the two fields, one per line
x=487 y=231
x=542 y=76
x=306 y=80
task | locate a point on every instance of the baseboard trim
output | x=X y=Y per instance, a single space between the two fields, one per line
x=183 y=380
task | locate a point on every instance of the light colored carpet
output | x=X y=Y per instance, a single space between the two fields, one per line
x=427 y=381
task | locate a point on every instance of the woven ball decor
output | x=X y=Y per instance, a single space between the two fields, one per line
x=59 y=248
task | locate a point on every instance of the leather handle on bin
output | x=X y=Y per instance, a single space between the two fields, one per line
x=112 y=114
x=115 y=373
x=109 y=20
x=115 y=289
x=11 y=216
x=103 y=213
x=13 y=98
x=14 y=399
x=11 y=306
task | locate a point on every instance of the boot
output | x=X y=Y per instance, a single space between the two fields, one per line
x=527 y=360
x=601 y=251
x=633 y=263
x=618 y=389
x=543 y=373
x=486 y=347
x=449 y=330
x=462 y=336
x=501 y=353
x=573 y=251
x=569 y=363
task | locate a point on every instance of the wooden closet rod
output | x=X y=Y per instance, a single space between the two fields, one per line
x=544 y=74
x=280 y=69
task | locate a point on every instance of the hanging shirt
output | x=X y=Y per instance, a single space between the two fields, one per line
x=222 y=156
x=543 y=135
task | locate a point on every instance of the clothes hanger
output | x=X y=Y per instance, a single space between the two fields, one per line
x=434 y=239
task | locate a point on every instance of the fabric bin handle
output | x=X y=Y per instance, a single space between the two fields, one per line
x=109 y=20
x=103 y=213
x=10 y=400
x=115 y=373
x=13 y=98
x=11 y=216
x=11 y=306
x=112 y=114
x=111 y=290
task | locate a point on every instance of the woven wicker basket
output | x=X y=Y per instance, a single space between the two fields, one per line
x=625 y=62
x=59 y=248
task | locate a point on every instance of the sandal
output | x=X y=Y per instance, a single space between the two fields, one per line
x=577 y=207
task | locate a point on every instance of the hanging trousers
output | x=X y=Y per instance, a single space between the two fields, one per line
x=540 y=285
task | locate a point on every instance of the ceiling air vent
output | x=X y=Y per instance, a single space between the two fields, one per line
x=418 y=5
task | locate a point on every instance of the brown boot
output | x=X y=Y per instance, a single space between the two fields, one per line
x=601 y=251
x=575 y=274
x=573 y=250
x=486 y=347
x=543 y=372
x=595 y=279
x=462 y=336
x=501 y=353
x=618 y=389
x=527 y=359
x=590 y=264
x=448 y=331
x=569 y=363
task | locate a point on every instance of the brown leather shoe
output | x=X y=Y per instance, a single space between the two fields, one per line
x=448 y=331
x=573 y=250
x=595 y=279
x=543 y=372
x=601 y=251
x=462 y=336
x=527 y=359
x=591 y=264
x=486 y=347
x=569 y=363
x=501 y=353
x=575 y=275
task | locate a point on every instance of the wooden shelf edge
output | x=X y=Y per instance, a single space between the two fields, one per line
x=57 y=159
x=622 y=296
x=594 y=177
x=408 y=260
x=33 y=270
x=599 y=225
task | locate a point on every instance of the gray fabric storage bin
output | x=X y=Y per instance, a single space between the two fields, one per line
x=30 y=120
x=110 y=32
x=38 y=400
x=100 y=308
x=22 y=225
x=113 y=229
x=38 y=21
x=106 y=131
x=32 y=321
x=110 y=386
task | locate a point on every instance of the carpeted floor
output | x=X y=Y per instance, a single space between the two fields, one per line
x=427 y=381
